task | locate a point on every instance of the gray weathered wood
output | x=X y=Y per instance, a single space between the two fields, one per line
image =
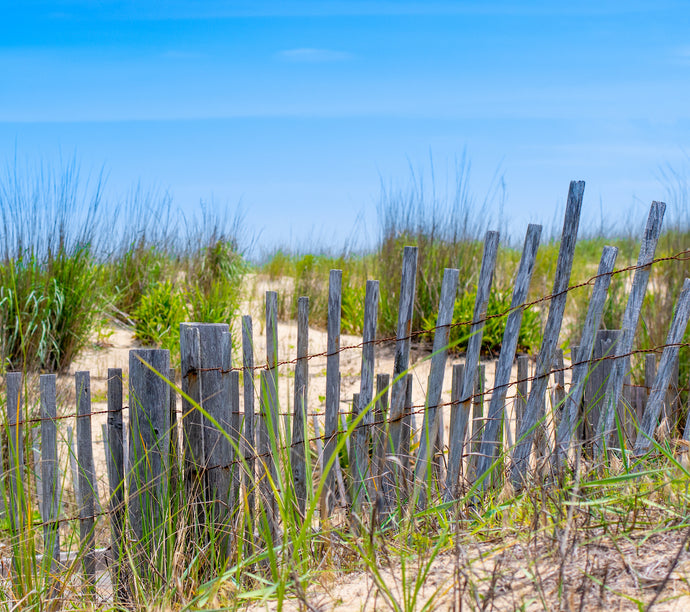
x=672 y=405
x=402 y=347
x=15 y=436
x=234 y=393
x=666 y=366
x=534 y=411
x=457 y=378
x=216 y=388
x=598 y=377
x=149 y=417
x=522 y=389
x=406 y=432
x=363 y=435
x=332 y=383
x=474 y=345
x=87 y=474
x=116 y=479
x=432 y=420
x=250 y=445
x=558 y=389
x=631 y=317
x=490 y=443
x=380 y=421
x=272 y=352
x=50 y=475
x=192 y=425
x=356 y=458
x=477 y=419
x=568 y=425
x=174 y=451
x=72 y=451
x=268 y=446
x=299 y=423
x=17 y=488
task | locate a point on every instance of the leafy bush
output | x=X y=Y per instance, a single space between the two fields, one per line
x=499 y=303
x=159 y=315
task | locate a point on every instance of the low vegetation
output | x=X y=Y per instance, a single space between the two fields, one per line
x=66 y=271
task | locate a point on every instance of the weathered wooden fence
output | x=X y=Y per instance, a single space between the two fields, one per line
x=220 y=469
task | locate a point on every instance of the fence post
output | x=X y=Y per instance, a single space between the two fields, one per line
x=567 y=428
x=477 y=420
x=522 y=390
x=249 y=435
x=192 y=427
x=332 y=384
x=216 y=363
x=235 y=463
x=116 y=478
x=402 y=347
x=268 y=446
x=459 y=428
x=299 y=425
x=432 y=420
x=87 y=475
x=363 y=434
x=50 y=479
x=149 y=415
x=174 y=451
x=380 y=443
x=666 y=367
x=492 y=442
x=534 y=411
x=631 y=317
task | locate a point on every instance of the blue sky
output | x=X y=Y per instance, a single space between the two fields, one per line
x=301 y=110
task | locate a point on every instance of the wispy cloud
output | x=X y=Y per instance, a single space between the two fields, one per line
x=310 y=55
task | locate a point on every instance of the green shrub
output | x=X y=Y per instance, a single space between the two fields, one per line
x=499 y=303
x=159 y=315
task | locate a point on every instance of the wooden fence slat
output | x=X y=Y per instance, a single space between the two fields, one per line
x=631 y=317
x=299 y=423
x=457 y=378
x=534 y=411
x=402 y=347
x=17 y=490
x=363 y=435
x=267 y=439
x=216 y=353
x=490 y=443
x=174 y=450
x=249 y=439
x=569 y=423
x=335 y=281
x=477 y=419
x=149 y=417
x=602 y=363
x=522 y=390
x=87 y=475
x=432 y=420
x=116 y=479
x=356 y=458
x=406 y=431
x=558 y=390
x=192 y=425
x=234 y=394
x=50 y=476
x=380 y=443
x=665 y=371
x=13 y=381
x=72 y=452
x=474 y=344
